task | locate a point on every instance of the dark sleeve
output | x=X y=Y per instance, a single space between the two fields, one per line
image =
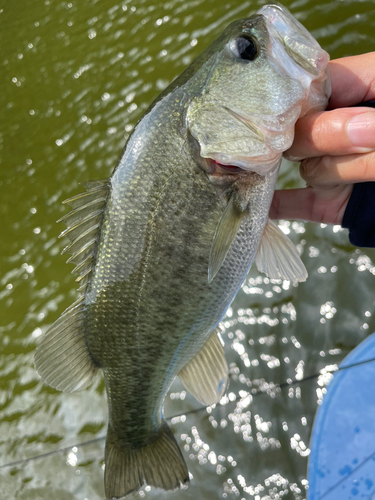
x=359 y=216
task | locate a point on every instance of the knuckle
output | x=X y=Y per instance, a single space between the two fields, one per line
x=318 y=171
x=309 y=169
x=318 y=137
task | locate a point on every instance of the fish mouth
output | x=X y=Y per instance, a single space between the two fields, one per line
x=230 y=169
x=234 y=164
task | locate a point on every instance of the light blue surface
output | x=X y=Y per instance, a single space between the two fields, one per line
x=342 y=459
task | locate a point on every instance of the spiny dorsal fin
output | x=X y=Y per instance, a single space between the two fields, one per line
x=205 y=376
x=83 y=225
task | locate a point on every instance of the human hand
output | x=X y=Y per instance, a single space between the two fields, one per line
x=337 y=147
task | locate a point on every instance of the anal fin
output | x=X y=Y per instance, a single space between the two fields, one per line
x=205 y=376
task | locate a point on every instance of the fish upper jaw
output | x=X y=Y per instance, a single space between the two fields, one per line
x=252 y=142
x=295 y=53
x=271 y=135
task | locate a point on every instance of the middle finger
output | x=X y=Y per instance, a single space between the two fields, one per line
x=337 y=132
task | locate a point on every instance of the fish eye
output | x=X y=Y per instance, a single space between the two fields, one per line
x=245 y=47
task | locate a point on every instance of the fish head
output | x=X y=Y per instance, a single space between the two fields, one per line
x=260 y=76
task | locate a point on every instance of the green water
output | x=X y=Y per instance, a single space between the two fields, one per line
x=75 y=77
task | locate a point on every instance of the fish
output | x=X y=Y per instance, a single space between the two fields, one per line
x=163 y=245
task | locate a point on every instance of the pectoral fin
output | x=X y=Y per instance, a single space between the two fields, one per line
x=205 y=376
x=277 y=257
x=226 y=231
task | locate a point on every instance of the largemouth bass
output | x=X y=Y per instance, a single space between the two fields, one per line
x=162 y=247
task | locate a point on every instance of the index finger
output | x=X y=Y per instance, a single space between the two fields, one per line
x=353 y=80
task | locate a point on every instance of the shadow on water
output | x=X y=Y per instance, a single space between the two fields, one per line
x=76 y=76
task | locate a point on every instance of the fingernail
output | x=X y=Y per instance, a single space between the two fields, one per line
x=361 y=130
x=290 y=157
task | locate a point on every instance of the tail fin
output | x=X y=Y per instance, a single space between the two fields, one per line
x=159 y=463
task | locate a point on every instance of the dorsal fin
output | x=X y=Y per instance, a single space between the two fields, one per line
x=63 y=359
x=83 y=227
